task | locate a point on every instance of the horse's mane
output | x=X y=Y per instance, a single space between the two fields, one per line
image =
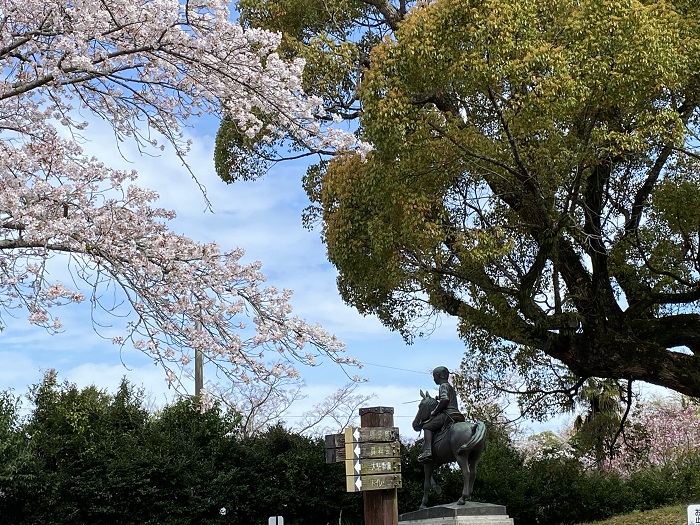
x=430 y=399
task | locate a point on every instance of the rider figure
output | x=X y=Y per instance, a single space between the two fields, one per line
x=446 y=408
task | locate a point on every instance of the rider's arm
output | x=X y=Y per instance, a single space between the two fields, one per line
x=443 y=401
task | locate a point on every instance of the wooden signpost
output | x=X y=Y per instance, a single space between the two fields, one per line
x=372 y=457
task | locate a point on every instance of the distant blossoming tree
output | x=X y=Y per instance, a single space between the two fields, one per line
x=145 y=67
x=657 y=432
x=662 y=430
x=263 y=406
x=546 y=445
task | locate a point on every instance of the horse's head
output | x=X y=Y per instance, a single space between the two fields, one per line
x=425 y=407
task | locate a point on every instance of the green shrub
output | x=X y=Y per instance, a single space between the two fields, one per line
x=90 y=457
x=84 y=456
x=560 y=491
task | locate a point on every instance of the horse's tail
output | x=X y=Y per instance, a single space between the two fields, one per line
x=478 y=436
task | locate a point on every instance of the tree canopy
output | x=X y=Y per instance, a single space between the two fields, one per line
x=535 y=174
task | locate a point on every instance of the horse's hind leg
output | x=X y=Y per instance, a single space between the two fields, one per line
x=467 y=477
x=473 y=459
x=435 y=485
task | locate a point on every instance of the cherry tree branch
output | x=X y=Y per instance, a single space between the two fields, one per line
x=147 y=68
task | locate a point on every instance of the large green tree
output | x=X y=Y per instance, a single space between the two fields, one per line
x=535 y=174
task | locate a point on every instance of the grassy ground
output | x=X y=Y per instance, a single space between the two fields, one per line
x=665 y=516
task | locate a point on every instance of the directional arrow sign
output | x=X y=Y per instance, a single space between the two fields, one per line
x=371 y=434
x=353 y=484
x=362 y=466
x=371 y=450
x=372 y=457
x=334 y=440
x=353 y=467
x=335 y=448
x=375 y=482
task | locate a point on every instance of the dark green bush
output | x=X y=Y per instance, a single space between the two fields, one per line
x=89 y=457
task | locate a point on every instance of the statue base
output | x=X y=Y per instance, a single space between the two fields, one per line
x=471 y=513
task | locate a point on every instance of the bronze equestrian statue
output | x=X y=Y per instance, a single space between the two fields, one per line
x=448 y=437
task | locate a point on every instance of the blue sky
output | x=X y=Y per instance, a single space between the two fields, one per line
x=263 y=217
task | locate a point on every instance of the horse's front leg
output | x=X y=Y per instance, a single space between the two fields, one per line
x=428 y=472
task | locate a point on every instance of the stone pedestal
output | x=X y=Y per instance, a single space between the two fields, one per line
x=471 y=513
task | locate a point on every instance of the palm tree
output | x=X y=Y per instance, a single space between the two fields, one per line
x=607 y=403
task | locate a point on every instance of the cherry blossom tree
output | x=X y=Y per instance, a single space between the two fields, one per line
x=662 y=430
x=147 y=67
x=658 y=431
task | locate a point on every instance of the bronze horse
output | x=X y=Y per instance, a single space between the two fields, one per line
x=462 y=442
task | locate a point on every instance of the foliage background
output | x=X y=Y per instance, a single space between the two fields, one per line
x=86 y=456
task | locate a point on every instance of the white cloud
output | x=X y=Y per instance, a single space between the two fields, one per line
x=264 y=218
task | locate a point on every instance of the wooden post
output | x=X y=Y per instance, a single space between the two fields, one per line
x=381 y=506
x=198 y=365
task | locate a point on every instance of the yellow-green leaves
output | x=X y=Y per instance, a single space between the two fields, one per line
x=329 y=66
x=607 y=71
x=534 y=174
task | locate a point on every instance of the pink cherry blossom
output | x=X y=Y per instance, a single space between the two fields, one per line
x=146 y=67
x=661 y=430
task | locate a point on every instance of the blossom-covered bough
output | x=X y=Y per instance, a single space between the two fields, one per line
x=146 y=67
